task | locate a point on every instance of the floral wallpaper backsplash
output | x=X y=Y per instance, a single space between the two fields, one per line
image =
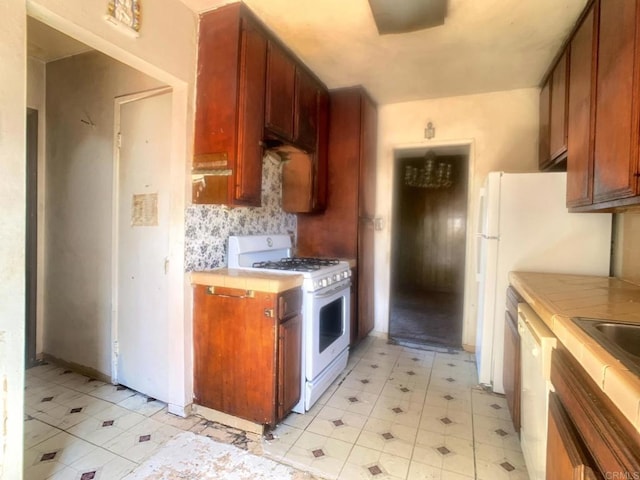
x=209 y=226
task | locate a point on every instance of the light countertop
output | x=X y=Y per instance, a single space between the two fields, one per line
x=556 y=298
x=247 y=280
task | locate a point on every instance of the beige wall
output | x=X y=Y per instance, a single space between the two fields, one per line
x=79 y=198
x=12 y=233
x=166 y=50
x=501 y=131
x=626 y=252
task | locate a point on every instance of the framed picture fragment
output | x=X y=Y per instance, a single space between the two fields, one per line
x=125 y=13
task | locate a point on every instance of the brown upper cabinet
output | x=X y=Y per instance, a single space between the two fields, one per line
x=306 y=110
x=281 y=77
x=581 y=94
x=232 y=59
x=553 y=117
x=251 y=94
x=617 y=102
x=603 y=157
x=292 y=101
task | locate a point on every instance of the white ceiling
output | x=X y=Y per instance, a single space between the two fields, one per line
x=484 y=45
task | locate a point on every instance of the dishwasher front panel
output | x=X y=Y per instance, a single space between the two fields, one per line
x=537 y=342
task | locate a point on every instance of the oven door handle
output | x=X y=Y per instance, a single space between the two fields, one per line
x=333 y=291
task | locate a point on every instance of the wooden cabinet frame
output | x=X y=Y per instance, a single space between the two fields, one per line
x=247 y=348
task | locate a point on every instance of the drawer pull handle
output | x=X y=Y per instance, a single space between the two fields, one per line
x=247 y=293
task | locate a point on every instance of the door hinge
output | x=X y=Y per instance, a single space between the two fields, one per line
x=269 y=312
x=116 y=349
x=119 y=140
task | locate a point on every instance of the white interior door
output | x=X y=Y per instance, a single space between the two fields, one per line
x=142 y=245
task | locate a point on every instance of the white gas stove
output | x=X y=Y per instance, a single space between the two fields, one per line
x=326 y=306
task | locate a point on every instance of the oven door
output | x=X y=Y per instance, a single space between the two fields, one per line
x=327 y=326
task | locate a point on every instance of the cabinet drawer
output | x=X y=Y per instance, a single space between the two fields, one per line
x=611 y=440
x=289 y=303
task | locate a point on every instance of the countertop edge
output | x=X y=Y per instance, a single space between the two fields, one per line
x=614 y=379
x=247 y=280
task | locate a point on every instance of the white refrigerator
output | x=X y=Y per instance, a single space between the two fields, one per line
x=524 y=225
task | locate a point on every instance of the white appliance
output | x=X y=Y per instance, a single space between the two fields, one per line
x=326 y=310
x=525 y=226
x=537 y=344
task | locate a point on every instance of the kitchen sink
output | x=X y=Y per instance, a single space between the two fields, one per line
x=622 y=340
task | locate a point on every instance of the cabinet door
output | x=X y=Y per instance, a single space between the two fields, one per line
x=234 y=352
x=253 y=61
x=558 y=119
x=616 y=128
x=581 y=99
x=306 y=111
x=366 y=208
x=321 y=161
x=511 y=371
x=567 y=456
x=289 y=364
x=544 y=148
x=279 y=92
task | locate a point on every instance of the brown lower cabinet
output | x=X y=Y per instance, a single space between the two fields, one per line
x=511 y=370
x=567 y=456
x=247 y=348
x=588 y=437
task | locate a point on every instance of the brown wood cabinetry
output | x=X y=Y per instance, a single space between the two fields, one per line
x=544 y=148
x=581 y=94
x=247 y=352
x=229 y=120
x=553 y=117
x=289 y=364
x=304 y=175
x=511 y=371
x=617 y=101
x=588 y=437
x=251 y=90
x=291 y=106
x=306 y=110
x=558 y=132
x=346 y=227
x=281 y=77
x=567 y=457
x=604 y=108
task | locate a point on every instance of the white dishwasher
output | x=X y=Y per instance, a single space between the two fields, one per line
x=537 y=342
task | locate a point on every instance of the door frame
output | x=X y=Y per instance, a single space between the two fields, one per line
x=115 y=217
x=33 y=234
x=461 y=146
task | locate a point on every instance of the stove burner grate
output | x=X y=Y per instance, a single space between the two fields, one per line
x=298 y=264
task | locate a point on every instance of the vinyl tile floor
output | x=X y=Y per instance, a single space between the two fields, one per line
x=394 y=413
x=402 y=413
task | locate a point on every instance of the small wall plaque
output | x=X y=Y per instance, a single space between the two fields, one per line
x=125 y=13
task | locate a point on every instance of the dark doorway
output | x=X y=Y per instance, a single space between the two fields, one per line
x=31 y=246
x=428 y=249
